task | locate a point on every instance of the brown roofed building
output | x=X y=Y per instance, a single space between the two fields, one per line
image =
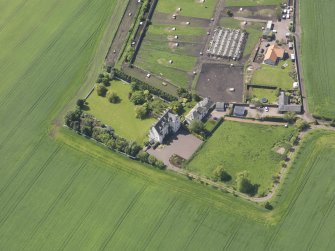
x=273 y=55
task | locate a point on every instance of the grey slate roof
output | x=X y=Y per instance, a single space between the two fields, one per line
x=285 y=106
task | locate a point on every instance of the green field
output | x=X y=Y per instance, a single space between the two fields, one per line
x=120 y=116
x=253 y=29
x=318 y=56
x=158 y=49
x=60 y=191
x=242 y=146
x=229 y=3
x=189 y=8
x=269 y=75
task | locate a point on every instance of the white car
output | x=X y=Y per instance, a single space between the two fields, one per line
x=266 y=109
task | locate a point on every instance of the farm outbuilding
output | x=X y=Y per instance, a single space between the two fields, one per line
x=239 y=111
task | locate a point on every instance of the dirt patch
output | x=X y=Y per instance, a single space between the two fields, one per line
x=281 y=150
x=256 y=12
x=216 y=80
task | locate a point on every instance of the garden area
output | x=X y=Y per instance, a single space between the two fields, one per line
x=121 y=116
x=253 y=150
x=271 y=94
x=276 y=76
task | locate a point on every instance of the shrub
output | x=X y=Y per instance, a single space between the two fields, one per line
x=196 y=126
x=137 y=98
x=141 y=111
x=80 y=103
x=113 y=98
x=268 y=206
x=177 y=107
x=101 y=90
x=230 y=13
x=290 y=117
x=143 y=156
x=244 y=184
x=302 y=125
x=221 y=174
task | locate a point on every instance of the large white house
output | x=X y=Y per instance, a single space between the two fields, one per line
x=200 y=110
x=168 y=123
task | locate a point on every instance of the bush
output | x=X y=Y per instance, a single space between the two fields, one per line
x=221 y=175
x=290 y=117
x=230 y=13
x=177 y=107
x=80 y=103
x=196 y=126
x=101 y=90
x=244 y=184
x=138 y=98
x=302 y=125
x=72 y=117
x=143 y=156
x=268 y=206
x=113 y=98
x=196 y=97
x=141 y=111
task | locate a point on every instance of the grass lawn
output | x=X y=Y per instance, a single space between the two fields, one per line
x=252 y=2
x=318 y=56
x=274 y=76
x=241 y=146
x=61 y=191
x=191 y=8
x=121 y=116
x=156 y=52
x=253 y=29
x=270 y=94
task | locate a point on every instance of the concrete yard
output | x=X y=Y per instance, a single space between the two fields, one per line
x=184 y=144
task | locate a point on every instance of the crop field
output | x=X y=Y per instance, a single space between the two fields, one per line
x=120 y=116
x=229 y=3
x=318 y=56
x=242 y=146
x=275 y=76
x=61 y=191
x=189 y=8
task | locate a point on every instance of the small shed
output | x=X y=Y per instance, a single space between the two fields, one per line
x=295 y=85
x=239 y=111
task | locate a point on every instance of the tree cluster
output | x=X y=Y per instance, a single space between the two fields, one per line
x=244 y=184
x=89 y=126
